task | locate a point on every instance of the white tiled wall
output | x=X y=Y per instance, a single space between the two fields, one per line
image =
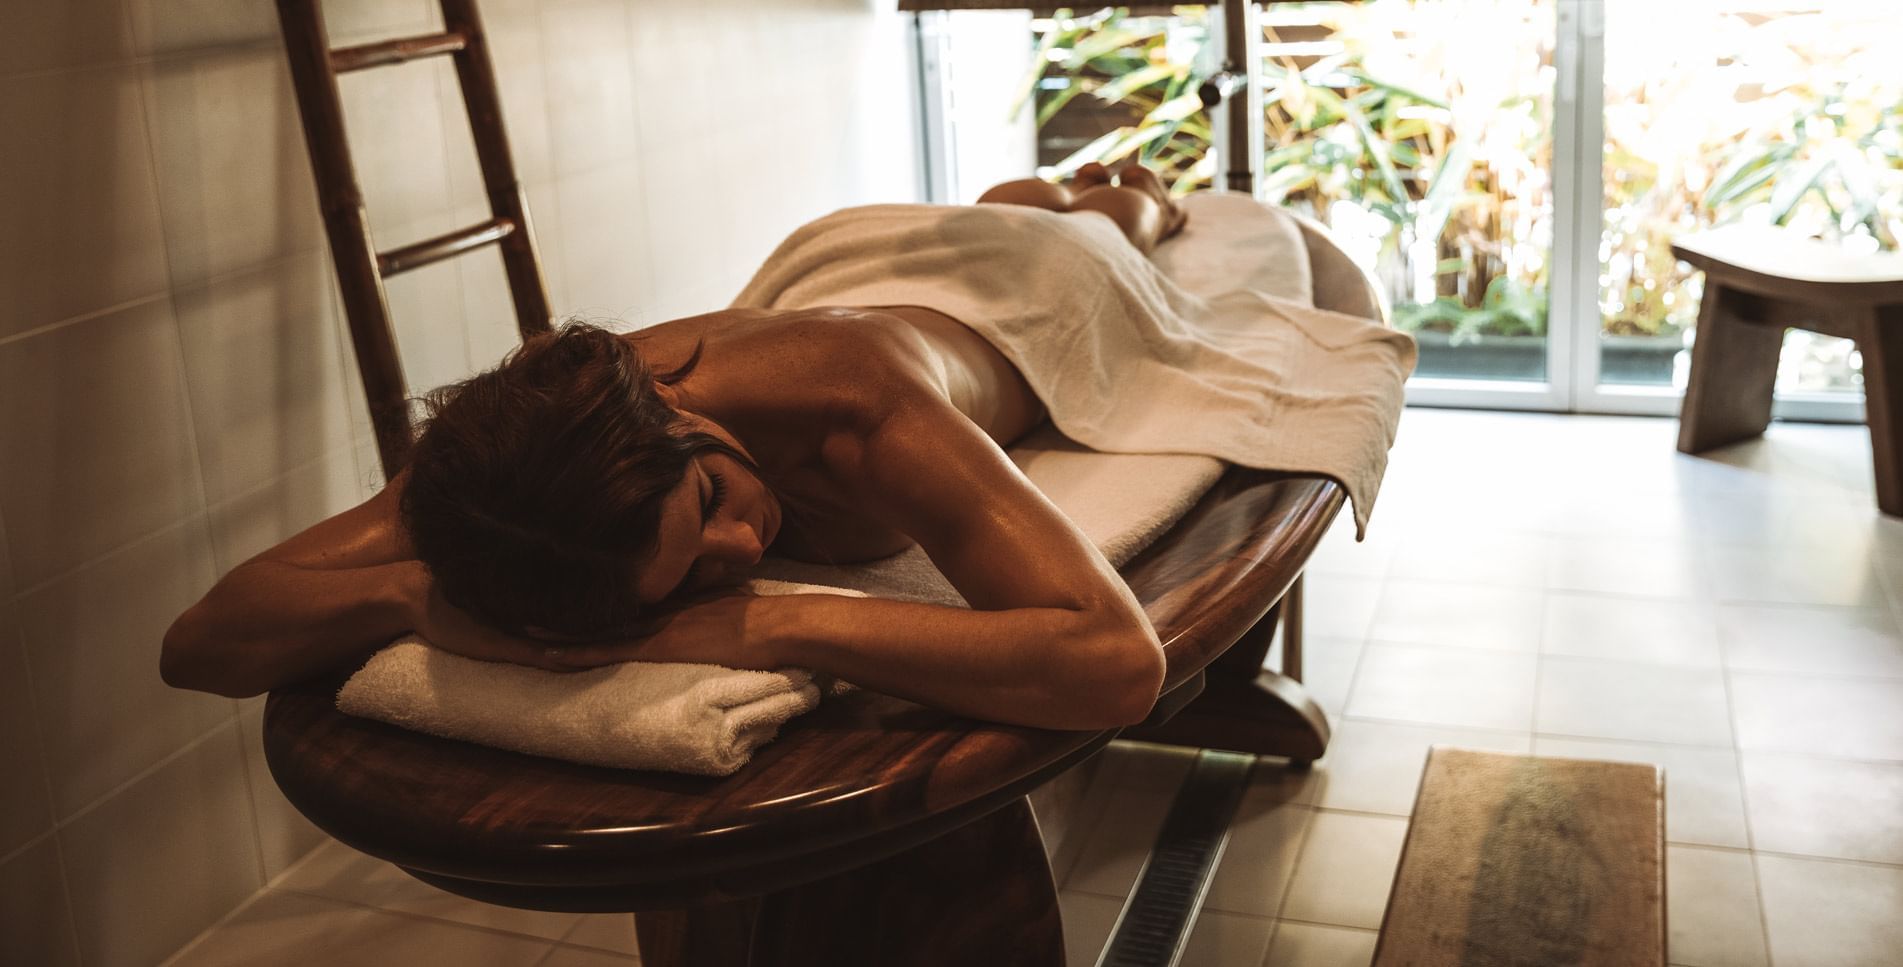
x=176 y=392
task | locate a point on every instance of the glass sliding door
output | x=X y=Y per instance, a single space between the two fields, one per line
x=1774 y=112
x=1421 y=132
x=1513 y=172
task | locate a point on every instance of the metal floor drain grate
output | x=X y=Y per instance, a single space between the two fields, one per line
x=1156 y=919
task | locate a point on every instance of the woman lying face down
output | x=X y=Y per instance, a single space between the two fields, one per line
x=597 y=498
x=561 y=496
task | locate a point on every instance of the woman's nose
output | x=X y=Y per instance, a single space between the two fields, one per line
x=738 y=545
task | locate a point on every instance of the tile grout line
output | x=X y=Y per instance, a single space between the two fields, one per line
x=46 y=783
x=146 y=82
x=421 y=917
x=1744 y=803
x=165 y=529
x=147 y=96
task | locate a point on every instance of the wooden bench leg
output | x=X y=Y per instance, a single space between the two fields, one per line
x=1881 y=343
x=1734 y=369
x=981 y=894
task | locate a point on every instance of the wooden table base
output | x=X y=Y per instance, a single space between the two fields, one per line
x=1759 y=282
x=981 y=894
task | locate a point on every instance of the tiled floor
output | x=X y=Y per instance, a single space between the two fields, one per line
x=1556 y=585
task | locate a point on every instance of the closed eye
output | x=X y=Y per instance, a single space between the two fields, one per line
x=718 y=497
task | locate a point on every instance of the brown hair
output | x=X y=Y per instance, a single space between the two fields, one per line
x=535 y=488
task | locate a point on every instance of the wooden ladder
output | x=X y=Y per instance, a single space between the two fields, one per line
x=361 y=269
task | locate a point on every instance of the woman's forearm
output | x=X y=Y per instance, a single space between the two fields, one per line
x=1043 y=667
x=268 y=624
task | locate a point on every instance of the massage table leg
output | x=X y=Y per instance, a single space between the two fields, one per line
x=1245 y=707
x=980 y=894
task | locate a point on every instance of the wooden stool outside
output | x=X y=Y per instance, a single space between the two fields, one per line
x=1760 y=281
x=1512 y=860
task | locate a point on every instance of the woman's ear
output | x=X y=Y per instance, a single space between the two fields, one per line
x=668 y=394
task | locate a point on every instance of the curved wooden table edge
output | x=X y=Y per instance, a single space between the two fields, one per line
x=900 y=774
x=1760 y=280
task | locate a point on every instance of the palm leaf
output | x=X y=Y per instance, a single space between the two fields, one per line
x=1790 y=190
x=1142 y=77
x=1057 y=102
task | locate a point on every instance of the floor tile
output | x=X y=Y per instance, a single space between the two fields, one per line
x=1630 y=629
x=1825 y=807
x=1345 y=870
x=1650 y=568
x=1703 y=801
x=1617 y=515
x=1376 y=767
x=1328 y=670
x=1336 y=606
x=1471 y=555
x=1340 y=553
x=1458 y=615
x=1226 y=940
x=1840 y=717
x=612 y=932
x=561 y=956
x=1823 y=913
x=1264 y=838
x=293 y=930
x=1114 y=852
x=1087 y=922
x=1444 y=686
x=1712 y=909
x=1794 y=575
x=1811 y=640
x=337 y=872
x=1315 y=945
x=1624 y=700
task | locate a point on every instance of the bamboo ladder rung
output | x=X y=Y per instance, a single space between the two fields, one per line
x=448 y=245
x=361 y=269
x=383 y=53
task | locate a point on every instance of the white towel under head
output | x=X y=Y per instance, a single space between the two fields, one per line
x=708 y=720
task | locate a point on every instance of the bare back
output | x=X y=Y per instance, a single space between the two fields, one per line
x=775 y=378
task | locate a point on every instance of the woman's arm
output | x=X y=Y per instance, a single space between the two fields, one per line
x=1053 y=638
x=323 y=598
x=321 y=601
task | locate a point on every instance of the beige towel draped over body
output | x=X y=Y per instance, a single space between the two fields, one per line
x=1126 y=360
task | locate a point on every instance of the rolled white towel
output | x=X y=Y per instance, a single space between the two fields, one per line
x=702 y=719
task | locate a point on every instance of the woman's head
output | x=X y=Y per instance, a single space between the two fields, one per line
x=540 y=493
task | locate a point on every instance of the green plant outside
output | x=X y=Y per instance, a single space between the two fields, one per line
x=1453 y=152
x=1147 y=64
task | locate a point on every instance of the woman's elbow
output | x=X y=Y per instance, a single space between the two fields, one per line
x=1132 y=668
x=184 y=661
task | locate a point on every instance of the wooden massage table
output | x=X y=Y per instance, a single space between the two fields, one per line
x=873 y=830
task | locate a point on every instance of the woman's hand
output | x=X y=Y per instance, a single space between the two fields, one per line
x=706 y=630
x=453 y=630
